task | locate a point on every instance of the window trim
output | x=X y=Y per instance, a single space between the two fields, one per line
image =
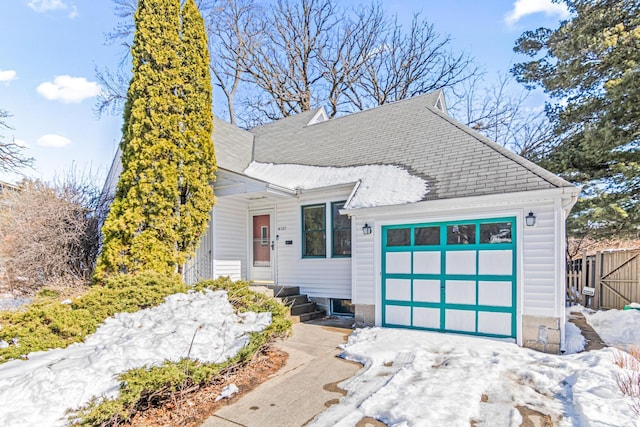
x=333 y=233
x=304 y=232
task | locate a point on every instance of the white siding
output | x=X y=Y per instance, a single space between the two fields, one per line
x=317 y=277
x=540 y=258
x=364 y=274
x=199 y=266
x=230 y=238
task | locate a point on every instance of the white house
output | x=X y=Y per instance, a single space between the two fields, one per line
x=399 y=214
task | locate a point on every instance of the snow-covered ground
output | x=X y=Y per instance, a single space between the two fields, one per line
x=618 y=328
x=416 y=378
x=10 y=302
x=38 y=391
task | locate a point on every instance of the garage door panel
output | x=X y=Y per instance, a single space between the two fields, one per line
x=426 y=290
x=495 y=262
x=398 y=262
x=424 y=317
x=460 y=320
x=494 y=323
x=460 y=292
x=398 y=315
x=495 y=293
x=426 y=262
x=398 y=289
x=461 y=262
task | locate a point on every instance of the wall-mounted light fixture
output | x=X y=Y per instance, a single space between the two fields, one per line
x=530 y=219
x=366 y=229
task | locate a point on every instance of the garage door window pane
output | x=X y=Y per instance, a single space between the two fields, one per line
x=427 y=236
x=463 y=234
x=399 y=237
x=497 y=232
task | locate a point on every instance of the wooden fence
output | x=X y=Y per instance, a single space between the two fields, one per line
x=615 y=275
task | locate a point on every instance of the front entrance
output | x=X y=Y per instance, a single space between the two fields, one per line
x=262 y=246
x=457 y=276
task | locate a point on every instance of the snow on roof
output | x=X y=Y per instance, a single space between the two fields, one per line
x=381 y=185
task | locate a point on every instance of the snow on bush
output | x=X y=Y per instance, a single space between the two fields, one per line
x=37 y=391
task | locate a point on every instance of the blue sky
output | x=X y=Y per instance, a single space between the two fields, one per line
x=50 y=49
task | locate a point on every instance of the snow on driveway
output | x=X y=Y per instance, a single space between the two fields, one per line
x=38 y=391
x=419 y=378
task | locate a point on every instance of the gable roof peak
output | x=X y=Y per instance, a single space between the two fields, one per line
x=319 y=117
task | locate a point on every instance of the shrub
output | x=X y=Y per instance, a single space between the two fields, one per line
x=49 y=233
x=48 y=323
x=147 y=386
x=629 y=380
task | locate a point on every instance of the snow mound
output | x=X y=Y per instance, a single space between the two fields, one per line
x=618 y=328
x=381 y=185
x=197 y=325
x=418 y=378
x=574 y=341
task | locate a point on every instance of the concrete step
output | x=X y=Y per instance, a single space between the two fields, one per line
x=275 y=290
x=285 y=291
x=298 y=309
x=307 y=316
x=293 y=300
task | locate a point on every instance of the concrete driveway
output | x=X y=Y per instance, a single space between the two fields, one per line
x=303 y=388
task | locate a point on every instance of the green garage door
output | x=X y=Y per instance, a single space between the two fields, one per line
x=452 y=276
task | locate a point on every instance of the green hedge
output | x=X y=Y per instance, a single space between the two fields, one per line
x=48 y=323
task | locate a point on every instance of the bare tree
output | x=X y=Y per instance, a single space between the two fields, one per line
x=49 y=232
x=11 y=154
x=404 y=64
x=500 y=112
x=233 y=28
x=274 y=59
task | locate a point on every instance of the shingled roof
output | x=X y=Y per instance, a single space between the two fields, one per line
x=454 y=160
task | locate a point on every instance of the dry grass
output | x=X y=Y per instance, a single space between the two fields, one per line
x=629 y=380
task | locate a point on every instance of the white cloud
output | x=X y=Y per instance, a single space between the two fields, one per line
x=522 y=8
x=68 y=89
x=41 y=6
x=7 y=75
x=74 y=12
x=53 y=140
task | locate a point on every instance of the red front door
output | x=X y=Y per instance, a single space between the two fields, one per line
x=262 y=240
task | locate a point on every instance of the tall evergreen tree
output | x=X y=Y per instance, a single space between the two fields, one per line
x=157 y=214
x=590 y=66
x=197 y=165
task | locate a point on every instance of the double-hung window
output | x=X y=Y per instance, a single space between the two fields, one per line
x=314 y=239
x=341 y=232
x=315 y=233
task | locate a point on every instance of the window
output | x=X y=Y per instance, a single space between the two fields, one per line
x=398 y=237
x=427 y=236
x=341 y=229
x=342 y=307
x=497 y=232
x=264 y=235
x=463 y=234
x=314 y=233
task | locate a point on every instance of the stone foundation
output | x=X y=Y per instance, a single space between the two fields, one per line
x=365 y=315
x=541 y=333
x=322 y=303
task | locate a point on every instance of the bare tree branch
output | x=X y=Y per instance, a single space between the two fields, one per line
x=500 y=113
x=12 y=158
